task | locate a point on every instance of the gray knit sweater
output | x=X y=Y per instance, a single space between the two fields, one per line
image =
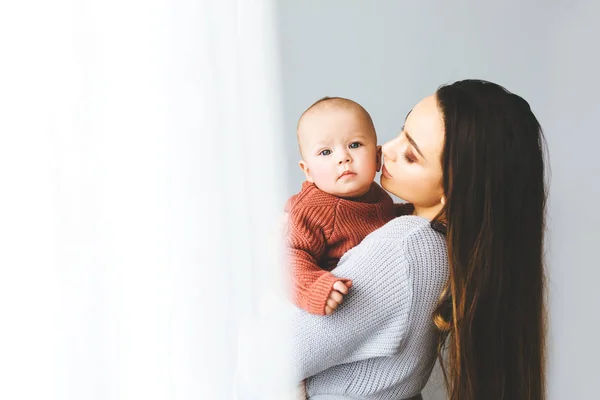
x=381 y=342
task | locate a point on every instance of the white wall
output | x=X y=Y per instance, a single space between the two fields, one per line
x=387 y=55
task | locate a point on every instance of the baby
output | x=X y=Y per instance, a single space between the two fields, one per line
x=339 y=204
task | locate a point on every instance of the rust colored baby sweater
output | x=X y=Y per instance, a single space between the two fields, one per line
x=321 y=228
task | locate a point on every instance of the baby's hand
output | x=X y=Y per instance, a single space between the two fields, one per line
x=340 y=289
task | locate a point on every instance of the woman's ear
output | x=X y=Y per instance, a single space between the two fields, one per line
x=378 y=158
x=443 y=200
x=306 y=170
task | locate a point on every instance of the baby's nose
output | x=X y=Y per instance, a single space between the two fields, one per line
x=344 y=160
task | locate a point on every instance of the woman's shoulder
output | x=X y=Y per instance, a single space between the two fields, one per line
x=423 y=248
x=407 y=229
x=404 y=239
x=407 y=240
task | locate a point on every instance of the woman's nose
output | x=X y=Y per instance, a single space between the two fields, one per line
x=388 y=149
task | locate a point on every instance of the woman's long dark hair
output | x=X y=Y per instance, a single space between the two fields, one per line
x=492 y=313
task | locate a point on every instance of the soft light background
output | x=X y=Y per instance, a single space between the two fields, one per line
x=140 y=199
x=387 y=55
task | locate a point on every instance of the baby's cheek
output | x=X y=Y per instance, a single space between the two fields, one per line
x=323 y=176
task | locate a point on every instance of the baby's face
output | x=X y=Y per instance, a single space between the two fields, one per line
x=340 y=153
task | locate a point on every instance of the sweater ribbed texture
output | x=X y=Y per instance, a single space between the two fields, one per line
x=381 y=342
x=321 y=228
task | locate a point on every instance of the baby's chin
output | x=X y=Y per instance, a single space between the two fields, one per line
x=353 y=192
x=346 y=188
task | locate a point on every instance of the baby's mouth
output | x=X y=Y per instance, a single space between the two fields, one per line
x=347 y=173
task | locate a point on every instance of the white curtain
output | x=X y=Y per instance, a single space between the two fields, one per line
x=140 y=164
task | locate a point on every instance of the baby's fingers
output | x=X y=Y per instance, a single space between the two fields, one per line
x=331 y=305
x=336 y=296
x=341 y=287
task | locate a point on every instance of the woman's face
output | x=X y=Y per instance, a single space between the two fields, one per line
x=412 y=161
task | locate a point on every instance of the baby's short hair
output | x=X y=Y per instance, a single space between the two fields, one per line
x=338 y=102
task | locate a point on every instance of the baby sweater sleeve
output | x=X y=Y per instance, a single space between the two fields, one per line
x=307 y=230
x=372 y=320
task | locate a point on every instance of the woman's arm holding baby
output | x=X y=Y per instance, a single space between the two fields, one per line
x=371 y=322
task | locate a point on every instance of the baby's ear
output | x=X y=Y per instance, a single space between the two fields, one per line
x=378 y=158
x=306 y=170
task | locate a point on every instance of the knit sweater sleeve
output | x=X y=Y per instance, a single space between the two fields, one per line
x=307 y=231
x=372 y=320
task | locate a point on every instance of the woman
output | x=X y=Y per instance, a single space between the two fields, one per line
x=463 y=274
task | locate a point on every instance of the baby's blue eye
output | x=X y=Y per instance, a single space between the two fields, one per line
x=325 y=152
x=355 y=145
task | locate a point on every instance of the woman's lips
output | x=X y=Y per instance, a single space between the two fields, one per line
x=385 y=172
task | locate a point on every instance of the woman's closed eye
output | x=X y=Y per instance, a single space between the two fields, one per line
x=409 y=157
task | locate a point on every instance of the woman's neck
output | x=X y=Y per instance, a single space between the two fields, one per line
x=428 y=213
